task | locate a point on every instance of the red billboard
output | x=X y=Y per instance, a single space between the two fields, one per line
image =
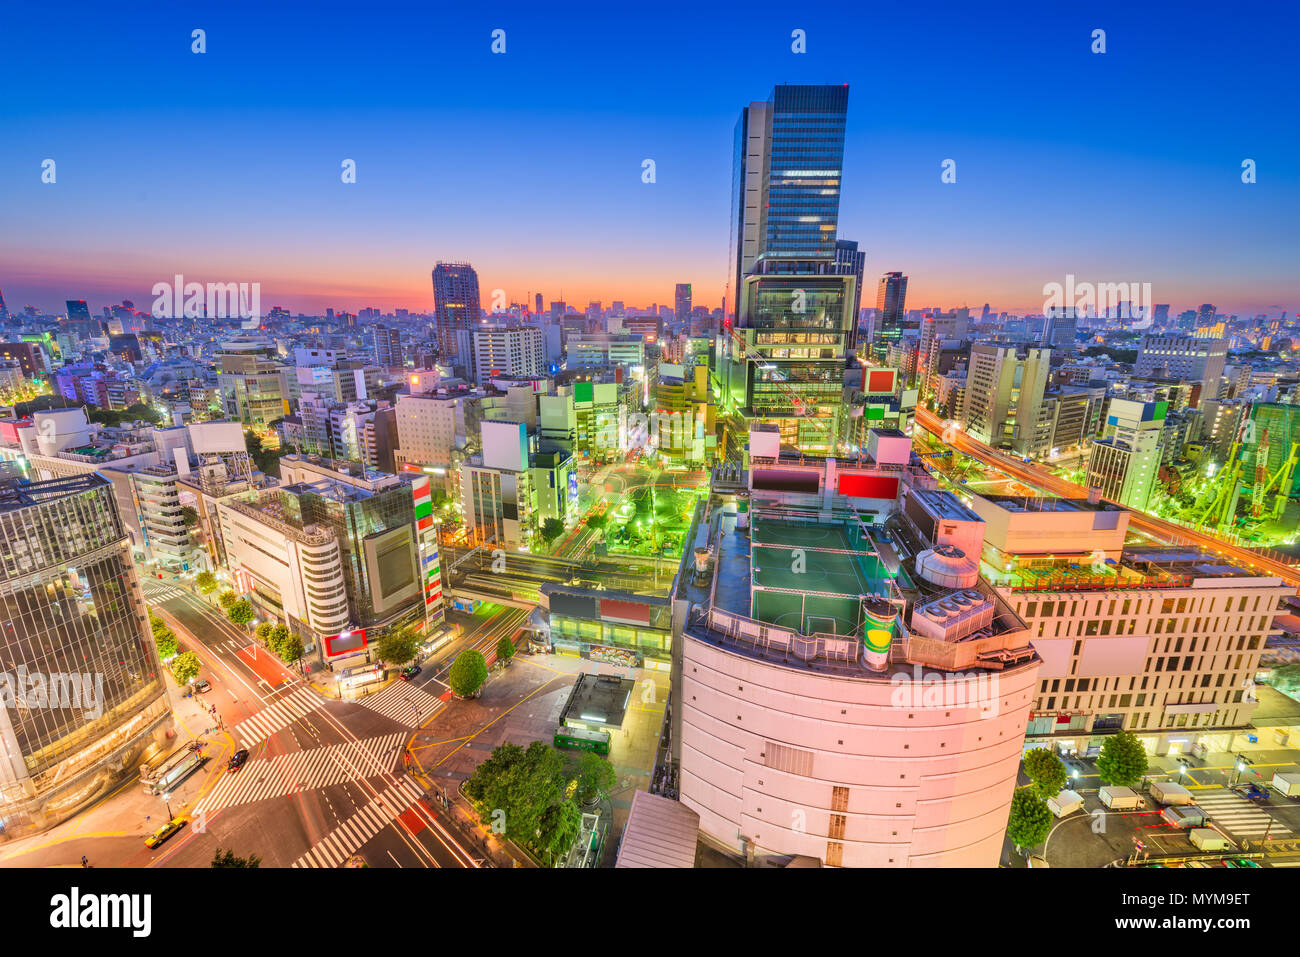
x=881 y=380
x=858 y=485
x=347 y=643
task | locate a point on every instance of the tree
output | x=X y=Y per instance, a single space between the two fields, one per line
x=552 y=529
x=228 y=859
x=1123 y=760
x=1046 y=772
x=598 y=522
x=505 y=650
x=241 y=612
x=595 y=778
x=1030 y=819
x=227 y=598
x=557 y=829
x=185 y=667
x=467 y=673
x=290 y=649
x=189 y=516
x=263 y=632
x=206 y=582
x=398 y=647
x=519 y=788
x=164 y=640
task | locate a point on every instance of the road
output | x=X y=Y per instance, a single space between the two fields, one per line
x=324 y=781
x=1039 y=477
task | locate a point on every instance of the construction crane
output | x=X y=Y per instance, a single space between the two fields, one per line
x=1222 y=495
x=1261 y=477
x=1280 y=480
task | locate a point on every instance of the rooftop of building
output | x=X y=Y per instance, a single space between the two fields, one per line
x=808 y=590
x=598 y=700
x=20 y=493
x=1047 y=503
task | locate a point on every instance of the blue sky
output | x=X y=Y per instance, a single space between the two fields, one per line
x=225 y=166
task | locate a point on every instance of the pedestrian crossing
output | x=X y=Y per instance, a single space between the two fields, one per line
x=354 y=832
x=1238 y=816
x=403 y=702
x=265 y=778
x=277 y=715
x=160 y=593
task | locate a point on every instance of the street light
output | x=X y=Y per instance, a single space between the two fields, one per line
x=167 y=798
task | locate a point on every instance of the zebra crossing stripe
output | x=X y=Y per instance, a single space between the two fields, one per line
x=393 y=703
x=1238 y=816
x=365 y=823
x=283 y=774
x=277 y=715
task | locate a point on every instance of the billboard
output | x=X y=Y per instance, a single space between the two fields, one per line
x=867 y=486
x=347 y=643
x=217 y=437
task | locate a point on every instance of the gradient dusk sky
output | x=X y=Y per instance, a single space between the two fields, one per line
x=1119 y=167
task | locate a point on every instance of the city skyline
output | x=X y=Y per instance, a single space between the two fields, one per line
x=545 y=193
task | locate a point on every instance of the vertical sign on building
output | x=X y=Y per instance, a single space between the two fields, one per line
x=426 y=534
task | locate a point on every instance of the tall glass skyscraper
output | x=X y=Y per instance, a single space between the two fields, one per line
x=82 y=697
x=783 y=361
x=786 y=172
x=455 y=302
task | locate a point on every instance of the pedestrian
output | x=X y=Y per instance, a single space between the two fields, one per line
x=83 y=860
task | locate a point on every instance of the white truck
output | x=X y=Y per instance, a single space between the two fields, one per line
x=1120 y=798
x=1065 y=803
x=1287 y=783
x=1208 y=839
x=1167 y=792
x=1188 y=815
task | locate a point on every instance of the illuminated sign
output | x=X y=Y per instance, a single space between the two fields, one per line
x=346 y=643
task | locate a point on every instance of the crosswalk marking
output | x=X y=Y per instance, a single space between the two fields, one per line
x=1238 y=816
x=161 y=592
x=264 y=778
x=365 y=823
x=277 y=715
x=403 y=702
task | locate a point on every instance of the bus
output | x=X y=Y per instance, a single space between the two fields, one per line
x=579 y=740
x=173 y=771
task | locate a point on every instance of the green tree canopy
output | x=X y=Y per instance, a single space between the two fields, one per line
x=189 y=516
x=1123 y=760
x=552 y=529
x=229 y=859
x=596 y=777
x=227 y=598
x=598 y=521
x=1030 y=820
x=526 y=790
x=185 y=666
x=206 y=582
x=263 y=632
x=398 y=647
x=1045 y=771
x=241 y=612
x=289 y=648
x=467 y=673
x=505 y=649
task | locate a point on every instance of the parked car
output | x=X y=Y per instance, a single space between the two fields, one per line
x=164 y=832
x=201 y=686
x=237 y=760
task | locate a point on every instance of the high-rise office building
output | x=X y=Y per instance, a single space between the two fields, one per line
x=786 y=172
x=388 y=347
x=1189 y=358
x=77 y=309
x=1004 y=397
x=891 y=308
x=4 y=312
x=539 y=304
x=75 y=617
x=455 y=302
x=682 y=301
x=1123 y=463
x=789 y=288
x=847 y=254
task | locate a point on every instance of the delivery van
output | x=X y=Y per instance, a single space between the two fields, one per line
x=1065 y=803
x=1208 y=839
x=1167 y=792
x=1120 y=798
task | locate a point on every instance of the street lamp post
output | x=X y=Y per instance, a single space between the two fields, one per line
x=167 y=800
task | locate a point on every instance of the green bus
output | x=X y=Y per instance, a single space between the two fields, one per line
x=579 y=740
